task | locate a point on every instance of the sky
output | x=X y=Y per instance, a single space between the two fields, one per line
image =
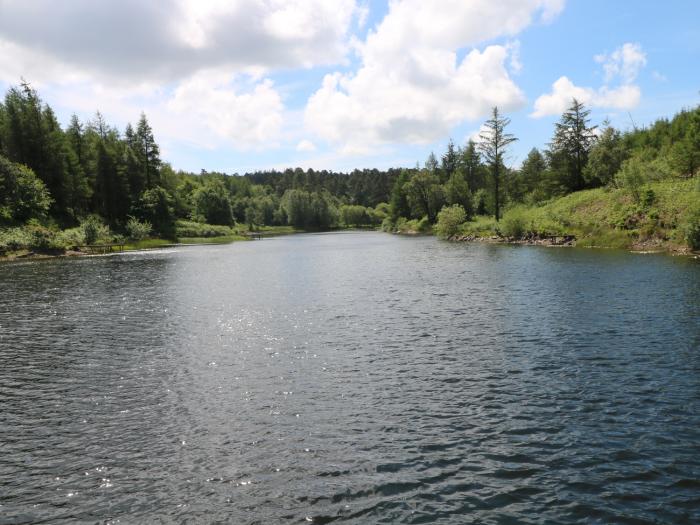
x=242 y=85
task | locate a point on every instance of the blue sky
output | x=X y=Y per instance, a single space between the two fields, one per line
x=256 y=84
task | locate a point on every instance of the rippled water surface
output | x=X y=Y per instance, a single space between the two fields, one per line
x=356 y=378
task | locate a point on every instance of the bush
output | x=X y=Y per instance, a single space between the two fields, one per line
x=94 y=230
x=515 y=223
x=33 y=236
x=449 y=220
x=72 y=237
x=691 y=228
x=13 y=239
x=198 y=229
x=22 y=195
x=138 y=230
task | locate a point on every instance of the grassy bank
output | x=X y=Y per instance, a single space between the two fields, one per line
x=660 y=216
x=39 y=241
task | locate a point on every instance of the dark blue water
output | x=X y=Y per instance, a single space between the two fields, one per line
x=354 y=378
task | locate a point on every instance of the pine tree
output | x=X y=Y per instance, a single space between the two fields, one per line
x=572 y=142
x=471 y=166
x=449 y=161
x=494 y=141
x=398 y=203
x=148 y=151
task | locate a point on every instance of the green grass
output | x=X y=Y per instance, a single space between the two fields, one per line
x=603 y=217
x=147 y=244
x=222 y=239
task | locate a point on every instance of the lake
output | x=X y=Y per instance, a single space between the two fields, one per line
x=351 y=377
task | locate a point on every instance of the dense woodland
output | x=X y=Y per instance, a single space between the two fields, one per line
x=90 y=177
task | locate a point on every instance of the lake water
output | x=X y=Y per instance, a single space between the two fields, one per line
x=351 y=377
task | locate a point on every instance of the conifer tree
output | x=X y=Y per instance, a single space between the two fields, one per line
x=494 y=141
x=572 y=142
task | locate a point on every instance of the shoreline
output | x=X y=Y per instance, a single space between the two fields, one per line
x=570 y=241
x=157 y=244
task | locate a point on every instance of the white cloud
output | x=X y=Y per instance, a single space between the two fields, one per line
x=306 y=146
x=213 y=109
x=196 y=67
x=411 y=86
x=623 y=64
x=515 y=64
x=564 y=91
x=129 y=40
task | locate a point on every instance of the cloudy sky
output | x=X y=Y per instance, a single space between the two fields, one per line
x=239 y=85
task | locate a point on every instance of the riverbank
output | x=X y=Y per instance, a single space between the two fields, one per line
x=207 y=235
x=661 y=217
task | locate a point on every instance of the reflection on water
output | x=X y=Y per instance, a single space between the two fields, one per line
x=359 y=378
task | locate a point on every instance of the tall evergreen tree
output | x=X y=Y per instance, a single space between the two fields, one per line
x=398 y=202
x=148 y=151
x=449 y=161
x=471 y=166
x=494 y=141
x=572 y=142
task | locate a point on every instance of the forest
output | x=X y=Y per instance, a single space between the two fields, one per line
x=62 y=188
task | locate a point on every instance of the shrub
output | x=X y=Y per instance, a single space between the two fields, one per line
x=198 y=229
x=72 y=237
x=691 y=228
x=449 y=220
x=22 y=194
x=13 y=239
x=94 y=230
x=138 y=230
x=515 y=223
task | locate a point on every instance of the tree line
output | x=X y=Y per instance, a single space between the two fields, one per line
x=91 y=170
x=476 y=180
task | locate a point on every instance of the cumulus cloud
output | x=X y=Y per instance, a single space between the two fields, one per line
x=170 y=39
x=215 y=110
x=197 y=67
x=625 y=62
x=624 y=65
x=411 y=85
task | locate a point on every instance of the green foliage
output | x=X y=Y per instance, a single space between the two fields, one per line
x=304 y=209
x=355 y=215
x=480 y=202
x=398 y=204
x=200 y=230
x=691 y=226
x=494 y=141
x=212 y=203
x=571 y=144
x=480 y=226
x=457 y=192
x=425 y=195
x=32 y=236
x=94 y=230
x=515 y=223
x=449 y=220
x=605 y=158
x=22 y=195
x=640 y=169
x=137 y=230
x=155 y=206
